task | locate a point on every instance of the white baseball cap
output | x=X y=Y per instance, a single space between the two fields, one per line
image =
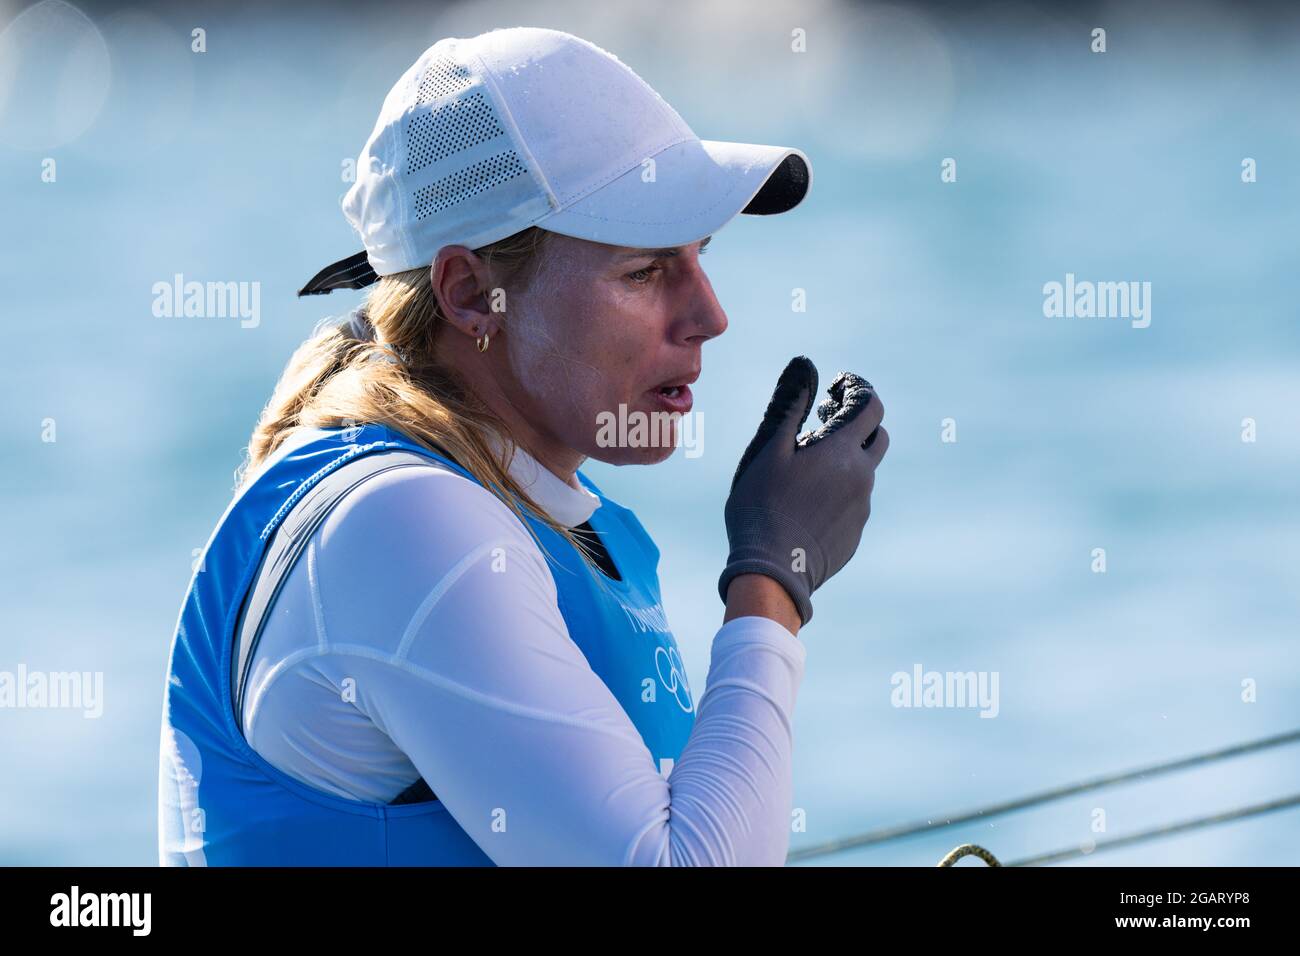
x=483 y=137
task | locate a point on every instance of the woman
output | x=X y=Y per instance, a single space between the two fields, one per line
x=419 y=634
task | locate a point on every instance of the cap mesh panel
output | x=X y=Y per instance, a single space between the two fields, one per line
x=451 y=127
x=442 y=76
x=470 y=181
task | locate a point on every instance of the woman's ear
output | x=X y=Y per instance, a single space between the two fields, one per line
x=463 y=285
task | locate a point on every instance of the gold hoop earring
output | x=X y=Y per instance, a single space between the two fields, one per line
x=483 y=343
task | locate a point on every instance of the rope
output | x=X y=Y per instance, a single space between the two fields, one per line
x=969 y=849
x=887 y=834
x=1167 y=830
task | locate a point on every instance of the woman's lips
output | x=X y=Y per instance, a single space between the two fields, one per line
x=677 y=399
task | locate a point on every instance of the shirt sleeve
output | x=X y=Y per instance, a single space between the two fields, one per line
x=439 y=606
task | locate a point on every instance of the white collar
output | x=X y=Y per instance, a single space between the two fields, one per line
x=569 y=504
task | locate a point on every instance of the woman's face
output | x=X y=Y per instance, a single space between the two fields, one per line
x=594 y=335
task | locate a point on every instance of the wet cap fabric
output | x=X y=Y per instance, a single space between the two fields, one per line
x=484 y=137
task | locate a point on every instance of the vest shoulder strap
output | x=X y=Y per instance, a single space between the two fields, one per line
x=286 y=546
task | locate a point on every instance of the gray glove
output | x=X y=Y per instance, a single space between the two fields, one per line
x=798 y=504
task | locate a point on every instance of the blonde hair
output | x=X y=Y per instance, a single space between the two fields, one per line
x=335 y=379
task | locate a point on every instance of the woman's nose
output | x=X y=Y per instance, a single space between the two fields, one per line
x=705 y=314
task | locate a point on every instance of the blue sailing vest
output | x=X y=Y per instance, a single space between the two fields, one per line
x=220 y=803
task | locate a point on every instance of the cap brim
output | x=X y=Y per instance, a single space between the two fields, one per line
x=696 y=188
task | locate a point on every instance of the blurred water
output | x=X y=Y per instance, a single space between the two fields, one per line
x=1073 y=434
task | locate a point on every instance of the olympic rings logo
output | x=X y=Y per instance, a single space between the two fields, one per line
x=675 y=679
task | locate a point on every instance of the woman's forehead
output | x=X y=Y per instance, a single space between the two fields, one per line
x=633 y=252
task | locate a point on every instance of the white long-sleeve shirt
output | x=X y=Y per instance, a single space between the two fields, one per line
x=397 y=649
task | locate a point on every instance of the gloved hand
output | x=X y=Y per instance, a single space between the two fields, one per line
x=798 y=504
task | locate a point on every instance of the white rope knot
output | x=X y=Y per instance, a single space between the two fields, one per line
x=359 y=327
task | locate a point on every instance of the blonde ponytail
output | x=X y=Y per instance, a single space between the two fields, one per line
x=339 y=378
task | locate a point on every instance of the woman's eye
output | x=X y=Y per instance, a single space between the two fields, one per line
x=643 y=275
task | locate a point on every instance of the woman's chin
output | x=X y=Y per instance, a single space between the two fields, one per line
x=632 y=454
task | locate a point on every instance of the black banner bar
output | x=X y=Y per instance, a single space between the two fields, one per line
x=929 y=904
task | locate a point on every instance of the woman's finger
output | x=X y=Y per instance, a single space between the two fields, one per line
x=852 y=407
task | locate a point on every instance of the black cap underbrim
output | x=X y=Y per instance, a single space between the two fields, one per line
x=354 y=272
